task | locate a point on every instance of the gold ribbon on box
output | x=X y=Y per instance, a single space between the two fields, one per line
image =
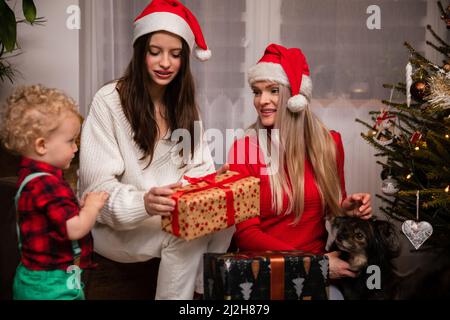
x=276 y=277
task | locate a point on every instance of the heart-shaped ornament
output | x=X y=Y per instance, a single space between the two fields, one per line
x=417 y=233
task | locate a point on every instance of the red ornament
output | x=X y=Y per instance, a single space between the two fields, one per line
x=415 y=137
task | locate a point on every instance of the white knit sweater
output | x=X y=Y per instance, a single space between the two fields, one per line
x=109 y=161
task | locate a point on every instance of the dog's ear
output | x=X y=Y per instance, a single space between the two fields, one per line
x=336 y=222
x=388 y=235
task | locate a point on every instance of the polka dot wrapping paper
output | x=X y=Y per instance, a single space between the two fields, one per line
x=212 y=203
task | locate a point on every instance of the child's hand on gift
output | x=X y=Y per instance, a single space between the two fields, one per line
x=158 y=202
x=94 y=200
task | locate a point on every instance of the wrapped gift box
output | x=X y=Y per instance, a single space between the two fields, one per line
x=269 y=275
x=212 y=203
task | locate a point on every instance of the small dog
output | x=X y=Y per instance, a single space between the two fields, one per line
x=363 y=243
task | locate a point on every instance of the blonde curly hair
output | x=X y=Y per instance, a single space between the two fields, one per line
x=32 y=112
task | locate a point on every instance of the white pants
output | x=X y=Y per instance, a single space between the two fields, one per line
x=216 y=245
x=335 y=293
x=181 y=267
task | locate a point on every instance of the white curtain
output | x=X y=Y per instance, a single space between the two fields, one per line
x=105 y=43
x=348 y=62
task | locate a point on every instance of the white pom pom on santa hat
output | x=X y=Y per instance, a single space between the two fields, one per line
x=300 y=101
x=202 y=55
x=297 y=103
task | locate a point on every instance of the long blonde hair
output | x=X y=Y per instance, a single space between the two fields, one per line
x=301 y=136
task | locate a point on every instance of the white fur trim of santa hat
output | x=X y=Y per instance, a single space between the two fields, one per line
x=268 y=71
x=164 y=21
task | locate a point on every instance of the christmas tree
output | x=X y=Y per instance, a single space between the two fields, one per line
x=413 y=140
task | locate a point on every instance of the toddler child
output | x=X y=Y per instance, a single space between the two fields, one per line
x=42 y=125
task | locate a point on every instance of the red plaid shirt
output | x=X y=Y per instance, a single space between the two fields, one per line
x=45 y=205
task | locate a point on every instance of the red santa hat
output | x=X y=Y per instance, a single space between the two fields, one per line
x=174 y=17
x=287 y=67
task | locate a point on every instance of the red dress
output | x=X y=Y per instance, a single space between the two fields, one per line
x=275 y=232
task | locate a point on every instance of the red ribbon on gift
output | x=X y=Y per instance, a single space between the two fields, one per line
x=211 y=183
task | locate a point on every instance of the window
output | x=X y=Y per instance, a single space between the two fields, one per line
x=346 y=58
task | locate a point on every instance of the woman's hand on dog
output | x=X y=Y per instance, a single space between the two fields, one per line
x=358 y=205
x=338 y=267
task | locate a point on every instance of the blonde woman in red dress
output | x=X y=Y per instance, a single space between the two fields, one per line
x=296 y=201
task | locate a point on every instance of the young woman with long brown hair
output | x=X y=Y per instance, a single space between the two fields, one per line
x=127 y=150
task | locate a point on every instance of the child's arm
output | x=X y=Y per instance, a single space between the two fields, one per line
x=81 y=225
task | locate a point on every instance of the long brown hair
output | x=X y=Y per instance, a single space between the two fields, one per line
x=301 y=136
x=181 y=110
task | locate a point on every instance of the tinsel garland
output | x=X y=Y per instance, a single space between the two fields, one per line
x=439 y=91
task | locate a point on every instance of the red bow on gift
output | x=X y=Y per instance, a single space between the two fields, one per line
x=210 y=179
